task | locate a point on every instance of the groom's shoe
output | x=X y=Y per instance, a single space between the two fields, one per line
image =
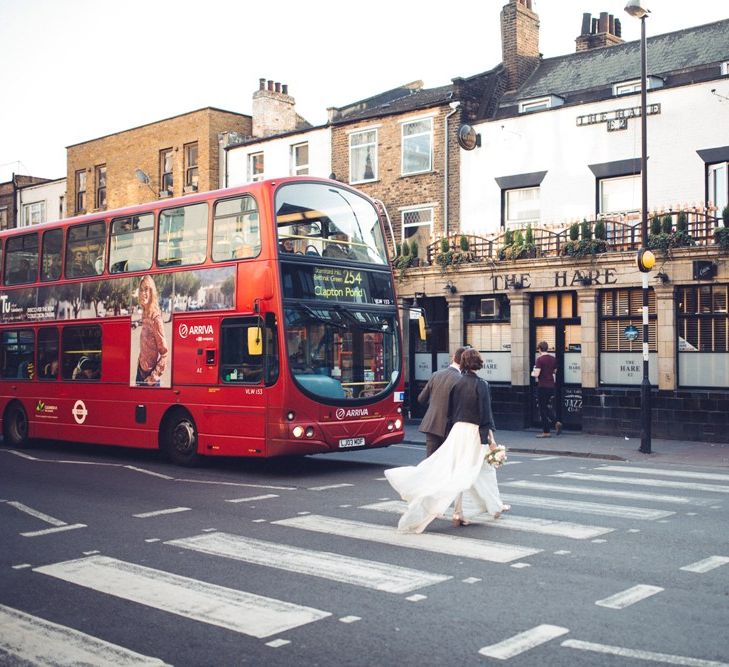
x=558 y=427
x=544 y=435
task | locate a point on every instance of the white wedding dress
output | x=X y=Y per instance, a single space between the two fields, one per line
x=457 y=466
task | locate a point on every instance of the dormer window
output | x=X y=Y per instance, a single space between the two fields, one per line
x=540 y=103
x=634 y=85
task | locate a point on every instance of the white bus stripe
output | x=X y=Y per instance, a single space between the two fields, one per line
x=586 y=507
x=596 y=491
x=667 y=473
x=345 y=569
x=513 y=646
x=641 y=655
x=252 y=498
x=36 y=513
x=643 y=481
x=575 y=531
x=629 y=597
x=171 y=510
x=57 y=529
x=249 y=614
x=35 y=641
x=445 y=544
x=706 y=565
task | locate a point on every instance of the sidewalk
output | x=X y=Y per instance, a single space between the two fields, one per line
x=612 y=448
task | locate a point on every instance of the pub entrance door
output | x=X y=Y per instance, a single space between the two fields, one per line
x=556 y=320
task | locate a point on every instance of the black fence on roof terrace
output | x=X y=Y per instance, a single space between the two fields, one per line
x=669 y=229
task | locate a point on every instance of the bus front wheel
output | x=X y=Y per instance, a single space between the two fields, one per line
x=15 y=426
x=179 y=439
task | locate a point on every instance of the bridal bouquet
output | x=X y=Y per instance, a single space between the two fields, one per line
x=496 y=457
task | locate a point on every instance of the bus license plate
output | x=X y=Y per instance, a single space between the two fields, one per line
x=352 y=442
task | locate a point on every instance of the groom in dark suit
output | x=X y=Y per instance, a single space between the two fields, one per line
x=435 y=395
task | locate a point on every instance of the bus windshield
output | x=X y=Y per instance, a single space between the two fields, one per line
x=341 y=352
x=323 y=220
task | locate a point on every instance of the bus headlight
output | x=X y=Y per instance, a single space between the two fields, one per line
x=298 y=431
x=309 y=432
x=390 y=426
x=398 y=423
x=399 y=411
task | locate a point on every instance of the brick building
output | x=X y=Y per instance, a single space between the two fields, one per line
x=170 y=157
x=9 y=215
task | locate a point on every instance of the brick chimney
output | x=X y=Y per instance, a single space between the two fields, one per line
x=597 y=33
x=519 y=41
x=273 y=109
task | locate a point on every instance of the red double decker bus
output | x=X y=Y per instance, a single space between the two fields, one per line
x=255 y=321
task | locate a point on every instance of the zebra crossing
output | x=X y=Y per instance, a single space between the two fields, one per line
x=32 y=639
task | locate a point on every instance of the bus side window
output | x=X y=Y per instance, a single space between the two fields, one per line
x=81 y=353
x=18 y=350
x=48 y=353
x=240 y=361
x=21 y=259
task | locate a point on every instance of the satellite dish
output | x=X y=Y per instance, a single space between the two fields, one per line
x=142 y=176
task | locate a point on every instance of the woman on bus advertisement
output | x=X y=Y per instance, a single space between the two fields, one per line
x=153 y=349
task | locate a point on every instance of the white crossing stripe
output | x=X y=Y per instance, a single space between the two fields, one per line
x=445 y=544
x=30 y=640
x=586 y=507
x=643 y=481
x=718 y=477
x=629 y=597
x=328 y=486
x=252 y=498
x=595 y=491
x=171 y=510
x=57 y=529
x=355 y=571
x=529 y=639
x=35 y=513
x=707 y=564
x=575 y=531
x=249 y=614
x=641 y=655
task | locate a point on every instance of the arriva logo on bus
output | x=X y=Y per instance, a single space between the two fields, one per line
x=195 y=330
x=341 y=413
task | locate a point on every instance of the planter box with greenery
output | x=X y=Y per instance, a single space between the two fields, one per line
x=586 y=246
x=721 y=234
x=454 y=256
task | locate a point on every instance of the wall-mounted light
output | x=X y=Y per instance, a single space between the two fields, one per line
x=662 y=278
x=450 y=287
x=585 y=281
x=517 y=285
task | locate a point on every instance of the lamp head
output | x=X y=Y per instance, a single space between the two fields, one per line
x=636 y=9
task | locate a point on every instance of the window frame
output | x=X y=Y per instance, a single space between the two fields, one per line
x=46 y=275
x=197 y=225
x=256 y=166
x=635 y=178
x=23 y=249
x=166 y=172
x=244 y=249
x=405 y=140
x=24 y=355
x=520 y=223
x=299 y=168
x=29 y=214
x=91 y=333
x=73 y=245
x=119 y=261
x=713 y=176
x=192 y=173
x=430 y=209
x=80 y=182
x=370 y=145
x=100 y=182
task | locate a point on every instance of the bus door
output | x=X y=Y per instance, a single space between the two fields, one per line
x=556 y=321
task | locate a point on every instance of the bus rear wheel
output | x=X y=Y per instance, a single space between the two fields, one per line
x=15 y=426
x=179 y=439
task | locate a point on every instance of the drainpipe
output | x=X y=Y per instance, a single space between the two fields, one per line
x=454 y=107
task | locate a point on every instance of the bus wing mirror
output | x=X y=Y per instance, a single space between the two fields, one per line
x=255 y=341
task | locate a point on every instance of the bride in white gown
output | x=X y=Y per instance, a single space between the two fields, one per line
x=457 y=466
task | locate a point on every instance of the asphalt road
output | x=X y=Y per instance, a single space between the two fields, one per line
x=116 y=557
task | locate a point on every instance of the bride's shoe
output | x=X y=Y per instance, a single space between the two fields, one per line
x=458 y=520
x=504 y=508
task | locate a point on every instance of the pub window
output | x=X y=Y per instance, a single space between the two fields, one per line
x=183 y=235
x=255 y=167
x=363 y=156
x=21 y=259
x=236 y=231
x=555 y=304
x=620 y=326
x=17 y=354
x=703 y=335
x=719 y=185
x=417 y=225
x=238 y=362
x=81 y=353
x=48 y=353
x=620 y=194
x=417 y=146
x=191 y=173
x=86 y=250
x=165 y=173
x=487 y=321
x=80 y=191
x=132 y=243
x=300 y=159
x=52 y=255
x=100 y=173
x=521 y=207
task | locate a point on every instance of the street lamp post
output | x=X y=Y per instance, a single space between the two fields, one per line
x=645 y=258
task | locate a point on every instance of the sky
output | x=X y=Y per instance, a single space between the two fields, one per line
x=75 y=70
